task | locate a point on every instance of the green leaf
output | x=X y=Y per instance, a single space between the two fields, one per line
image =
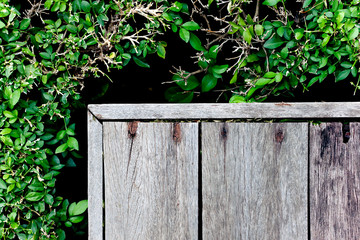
x=237 y=99
x=278 y=77
x=284 y=52
x=196 y=43
x=79 y=208
x=342 y=75
x=335 y=5
x=70 y=132
x=167 y=17
x=234 y=78
x=247 y=35
x=252 y=58
x=49 y=199
x=161 y=51
x=175 y=94
x=62 y=68
x=14 y=98
x=5 y=131
x=61 y=148
x=191 y=26
x=9 y=114
x=140 y=62
x=85 y=6
x=307 y=3
x=263 y=81
x=259 y=29
x=269 y=75
x=76 y=219
x=280 y=31
x=299 y=33
x=184 y=34
x=346 y=65
x=102 y=18
x=7 y=92
x=271 y=2
x=36 y=186
x=61 y=134
x=73 y=143
x=213 y=51
x=325 y=40
x=48 y=4
x=331 y=69
x=45 y=55
x=71 y=28
x=2 y=25
x=208 y=82
x=340 y=16
x=47 y=96
x=234 y=27
x=191 y=83
x=24 y=24
x=34 y=196
x=313 y=80
x=220 y=69
x=354 y=71
x=273 y=43
x=323 y=62
x=2 y=184
x=353 y=33
x=4 y=12
x=176 y=6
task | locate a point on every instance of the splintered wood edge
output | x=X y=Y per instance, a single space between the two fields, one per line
x=225 y=110
x=95 y=177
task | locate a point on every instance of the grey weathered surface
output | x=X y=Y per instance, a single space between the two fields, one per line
x=334 y=182
x=95 y=178
x=151 y=180
x=254 y=181
x=226 y=110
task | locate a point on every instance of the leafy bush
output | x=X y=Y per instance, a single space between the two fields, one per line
x=48 y=48
x=271 y=55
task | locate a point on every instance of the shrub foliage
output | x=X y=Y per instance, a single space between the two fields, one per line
x=271 y=47
x=48 y=48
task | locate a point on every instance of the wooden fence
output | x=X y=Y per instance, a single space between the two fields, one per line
x=189 y=171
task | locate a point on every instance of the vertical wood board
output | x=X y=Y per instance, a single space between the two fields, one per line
x=254 y=181
x=334 y=182
x=95 y=178
x=151 y=180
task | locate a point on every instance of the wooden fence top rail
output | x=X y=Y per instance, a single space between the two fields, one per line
x=225 y=110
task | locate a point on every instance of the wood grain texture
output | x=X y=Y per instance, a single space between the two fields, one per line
x=151 y=180
x=335 y=182
x=226 y=110
x=95 y=178
x=254 y=181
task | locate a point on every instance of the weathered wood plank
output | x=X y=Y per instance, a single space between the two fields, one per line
x=226 y=110
x=254 y=181
x=151 y=180
x=334 y=182
x=95 y=178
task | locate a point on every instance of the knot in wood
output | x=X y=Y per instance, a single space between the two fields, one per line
x=132 y=128
x=224 y=132
x=346 y=132
x=279 y=136
x=176 y=132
